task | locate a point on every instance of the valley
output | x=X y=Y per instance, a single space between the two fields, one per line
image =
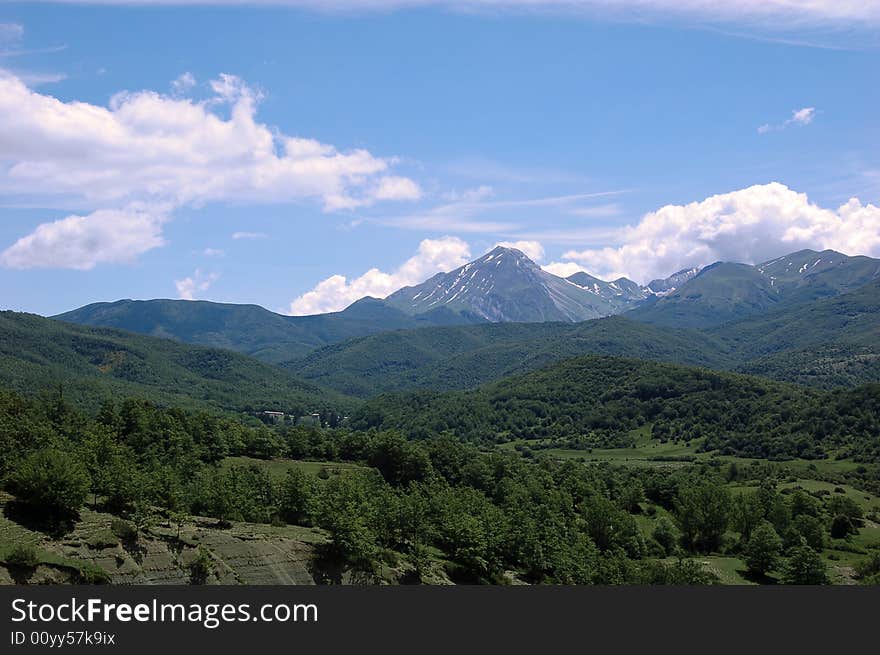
x=496 y=424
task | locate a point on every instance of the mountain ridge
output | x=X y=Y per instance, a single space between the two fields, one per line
x=503 y=285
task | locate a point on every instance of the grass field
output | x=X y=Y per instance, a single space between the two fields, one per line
x=278 y=468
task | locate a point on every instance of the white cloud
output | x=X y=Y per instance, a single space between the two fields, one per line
x=750 y=225
x=803 y=116
x=32 y=78
x=563 y=269
x=337 y=292
x=183 y=83
x=151 y=148
x=799 y=117
x=249 y=235
x=81 y=242
x=188 y=287
x=396 y=188
x=531 y=249
x=213 y=252
x=597 y=211
x=147 y=146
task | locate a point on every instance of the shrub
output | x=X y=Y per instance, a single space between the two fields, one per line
x=124 y=530
x=23 y=556
x=667 y=535
x=201 y=567
x=103 y=539
x=868 y=569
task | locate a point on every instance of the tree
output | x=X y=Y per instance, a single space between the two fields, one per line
x=632 y=496
x=51 y=483
x=178 y=519
x=763 y=549
x=703 y=511
x=841 y=527
x=143 y=518
x=667 y=535
x=804 y=567
x=296 y=497
x=748 y=512
x=811 y=529
x=845 y=506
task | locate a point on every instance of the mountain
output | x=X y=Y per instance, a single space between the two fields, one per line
x=667 y=285
x=725 y=291
x=827 y=343
x=808 y=275
x=90 y=364
x=622 y=294
x=251 y=329
x=467 y=356
x=506 y=286
x=718 y=293
x=831 y=342
x=503 y=285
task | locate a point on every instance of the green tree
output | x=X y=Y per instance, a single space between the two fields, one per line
x=804 y=567
x=296 y=496
x=703 y=511
x=811 y=529
x=632 y=496
x=667 y=535
x=842 y=527
x=763 y=549
x=748 y=512
x=51 y=483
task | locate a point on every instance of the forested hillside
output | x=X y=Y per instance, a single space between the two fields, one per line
x=464 y=357
x=385 y=509
x=89 y=365
x=251 y=329
x=598 y=401
x=832 y=342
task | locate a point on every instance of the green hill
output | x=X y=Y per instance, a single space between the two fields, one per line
x=719 y=293
x=251 y=329
x=467 y=356
x=599 y=401
x=726 y=292
x=827 y=343
x=39 y=354
x=831 y=342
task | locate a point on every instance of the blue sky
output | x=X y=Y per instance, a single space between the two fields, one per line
x=426 y=135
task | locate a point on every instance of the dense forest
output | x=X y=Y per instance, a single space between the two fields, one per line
x=598 y=401
x=487 y=515
x=91 y=364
